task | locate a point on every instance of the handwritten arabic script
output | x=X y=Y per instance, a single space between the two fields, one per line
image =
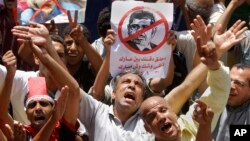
x=142 y=64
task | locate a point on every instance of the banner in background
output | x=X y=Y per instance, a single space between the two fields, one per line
x=42 y=11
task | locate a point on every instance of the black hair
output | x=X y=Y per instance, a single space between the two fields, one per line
x=142 y=14
x=57 y=38
x=114 y=81
x=243 y=66
x=103 y=21
x=86 y=33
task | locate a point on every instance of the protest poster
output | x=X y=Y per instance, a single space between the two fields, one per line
x=140 y=43
x=42 y=11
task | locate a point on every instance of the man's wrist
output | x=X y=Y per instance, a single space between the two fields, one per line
x=215 y=66
x=48 y=43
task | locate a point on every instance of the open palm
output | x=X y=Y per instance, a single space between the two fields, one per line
x=225 y=41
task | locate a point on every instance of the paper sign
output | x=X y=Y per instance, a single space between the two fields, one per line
x=142 y=29
x=42 y=11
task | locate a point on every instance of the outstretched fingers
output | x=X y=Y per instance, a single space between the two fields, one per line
x=21 y=32
x=72 y=22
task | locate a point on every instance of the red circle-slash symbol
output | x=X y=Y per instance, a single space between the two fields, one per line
x=162 y=20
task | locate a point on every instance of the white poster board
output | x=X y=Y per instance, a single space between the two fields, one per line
x=142 y=30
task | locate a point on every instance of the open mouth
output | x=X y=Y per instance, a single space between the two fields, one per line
x=166 y=126
x=39 y=118
x=129 y=96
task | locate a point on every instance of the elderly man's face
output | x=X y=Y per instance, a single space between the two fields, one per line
x=144 y=38
x=129 y=93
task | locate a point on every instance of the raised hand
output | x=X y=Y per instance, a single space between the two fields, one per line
x=8 y=135
x=52 y=27
x=109 y=39
x=9 y=60
x=19 y=131
x=199 y=28
x=38 y=33
x=202 y=113
x=224 y=41
x=72 y=22
x=208 y=55
x=60 y=104
x=76 y=30
x=237 y=3
x=171 y=40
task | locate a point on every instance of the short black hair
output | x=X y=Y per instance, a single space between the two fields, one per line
x=115 y=79
x=103 y=21
x=59 y=39
x=142 y=14
x=86 y=33
x=243 y=66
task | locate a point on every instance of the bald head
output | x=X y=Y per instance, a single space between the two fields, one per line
x=151 y=103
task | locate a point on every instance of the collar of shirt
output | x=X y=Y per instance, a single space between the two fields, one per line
x=117 y=120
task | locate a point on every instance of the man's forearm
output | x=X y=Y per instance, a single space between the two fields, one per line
x=93 y=56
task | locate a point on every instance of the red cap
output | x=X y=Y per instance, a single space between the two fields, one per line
x=37 y=86
x=37 y=90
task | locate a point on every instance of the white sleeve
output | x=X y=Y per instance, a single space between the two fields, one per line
x=187 y=46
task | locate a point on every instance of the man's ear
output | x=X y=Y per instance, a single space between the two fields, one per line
x=37 y=61
x=147 y=128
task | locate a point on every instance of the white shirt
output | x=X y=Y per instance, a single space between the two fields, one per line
x=98 y=45
x=18 y=92
x=103 y=125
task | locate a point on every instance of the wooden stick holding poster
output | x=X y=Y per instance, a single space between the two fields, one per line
x=142 y=29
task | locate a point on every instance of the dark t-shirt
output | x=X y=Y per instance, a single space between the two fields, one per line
x=85 y=76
